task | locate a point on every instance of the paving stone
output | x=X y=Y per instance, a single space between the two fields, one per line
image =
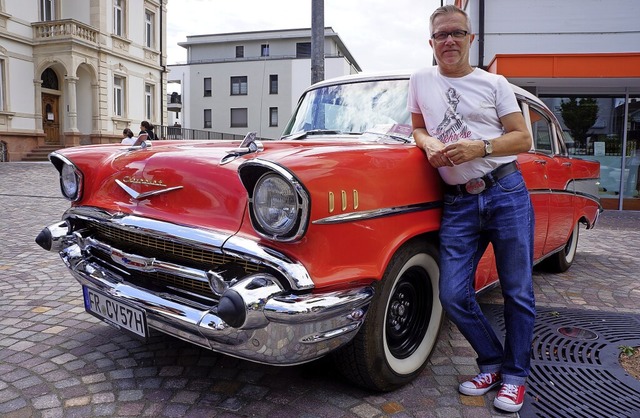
x=365 y=411
x=46 y=402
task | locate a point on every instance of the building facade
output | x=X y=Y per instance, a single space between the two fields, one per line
x=78 y=72
x=250 y=81
x=582 y=57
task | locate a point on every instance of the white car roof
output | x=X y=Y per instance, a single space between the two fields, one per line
x=399 y=75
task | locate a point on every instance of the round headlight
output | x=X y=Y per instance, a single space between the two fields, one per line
x=69 y=181
x=275 y=205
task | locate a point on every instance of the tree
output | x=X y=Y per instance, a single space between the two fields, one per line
x=579 y=116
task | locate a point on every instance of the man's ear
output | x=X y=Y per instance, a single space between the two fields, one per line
x=471 y=38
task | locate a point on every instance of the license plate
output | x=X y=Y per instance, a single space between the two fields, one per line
x=115 y=313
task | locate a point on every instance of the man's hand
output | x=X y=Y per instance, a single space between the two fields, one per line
x=464 y=150
x=437 y=156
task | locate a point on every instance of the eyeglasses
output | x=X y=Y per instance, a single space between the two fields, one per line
x=456 y=34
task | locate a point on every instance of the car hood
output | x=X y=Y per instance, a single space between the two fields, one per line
x=180 y=181
x=184 y=181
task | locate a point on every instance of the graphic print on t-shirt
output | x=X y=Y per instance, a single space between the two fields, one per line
x=452 y=127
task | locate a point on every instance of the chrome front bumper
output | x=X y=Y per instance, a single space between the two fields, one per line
x=279 y=327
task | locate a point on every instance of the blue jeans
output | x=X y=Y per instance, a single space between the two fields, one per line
x=501 y=215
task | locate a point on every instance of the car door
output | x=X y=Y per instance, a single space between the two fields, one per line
x=561 y=186
x=555 y=172
x=534 y=166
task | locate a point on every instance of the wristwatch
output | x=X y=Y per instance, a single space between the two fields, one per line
x=488 y=147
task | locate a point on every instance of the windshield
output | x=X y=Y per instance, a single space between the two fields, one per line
x=369 y=106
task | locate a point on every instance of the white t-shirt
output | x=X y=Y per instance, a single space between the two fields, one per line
x=468 y=107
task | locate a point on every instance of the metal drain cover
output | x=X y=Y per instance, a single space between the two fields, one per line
x=575 y=371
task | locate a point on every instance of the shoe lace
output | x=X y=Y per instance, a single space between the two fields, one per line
x=484 y=378
x=510 y=391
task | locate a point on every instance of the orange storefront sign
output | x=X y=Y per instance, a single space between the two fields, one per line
x=610 y=65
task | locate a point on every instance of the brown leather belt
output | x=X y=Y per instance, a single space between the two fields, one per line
x=480 y=184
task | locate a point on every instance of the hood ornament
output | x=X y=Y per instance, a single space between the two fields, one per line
x=248 y=145
x=141 y=196
x=142 y=142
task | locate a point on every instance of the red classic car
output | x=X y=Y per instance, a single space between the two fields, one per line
x=283 y=251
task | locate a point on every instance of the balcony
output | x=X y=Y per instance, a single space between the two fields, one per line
x=174 y=102
x=66 y=30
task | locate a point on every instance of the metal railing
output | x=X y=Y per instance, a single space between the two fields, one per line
x=177 y=132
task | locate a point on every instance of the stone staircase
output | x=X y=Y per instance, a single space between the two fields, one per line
x=41 y=153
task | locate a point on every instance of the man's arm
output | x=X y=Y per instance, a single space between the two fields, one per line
x=515 y=140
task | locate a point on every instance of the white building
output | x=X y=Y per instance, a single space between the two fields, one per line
x=587 y=51
x=78 y=71
x=234 y=83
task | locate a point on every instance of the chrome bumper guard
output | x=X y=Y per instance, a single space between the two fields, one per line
x=277 y=328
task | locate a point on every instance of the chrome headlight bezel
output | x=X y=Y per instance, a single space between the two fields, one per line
x=278 y=202
x=71 y=178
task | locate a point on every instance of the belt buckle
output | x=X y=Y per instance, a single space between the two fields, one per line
x=475 y=186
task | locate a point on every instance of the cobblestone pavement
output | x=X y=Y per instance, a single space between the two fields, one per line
x=58 y=361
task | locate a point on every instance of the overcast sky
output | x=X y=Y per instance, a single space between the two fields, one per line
x=380 y=34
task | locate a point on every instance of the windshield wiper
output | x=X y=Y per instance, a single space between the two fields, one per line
x=390 y=135
x=304 y=134
x=398 y=138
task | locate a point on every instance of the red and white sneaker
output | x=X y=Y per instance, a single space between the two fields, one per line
x=510 y=398
x=480 y=384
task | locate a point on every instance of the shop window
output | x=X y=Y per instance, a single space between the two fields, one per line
x=631 y=185
x=594 y=129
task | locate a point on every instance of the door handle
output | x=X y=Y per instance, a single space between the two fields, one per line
x=542 y=162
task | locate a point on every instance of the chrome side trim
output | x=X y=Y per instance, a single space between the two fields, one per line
x=583 y=188
x=376 y=213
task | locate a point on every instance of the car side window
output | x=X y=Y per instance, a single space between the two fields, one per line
x=541 y=131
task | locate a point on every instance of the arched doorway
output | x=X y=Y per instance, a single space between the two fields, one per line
x=50 y=106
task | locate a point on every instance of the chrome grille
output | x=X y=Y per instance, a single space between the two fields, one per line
x=149 y=246
x=119 y=237
x=189 y=285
